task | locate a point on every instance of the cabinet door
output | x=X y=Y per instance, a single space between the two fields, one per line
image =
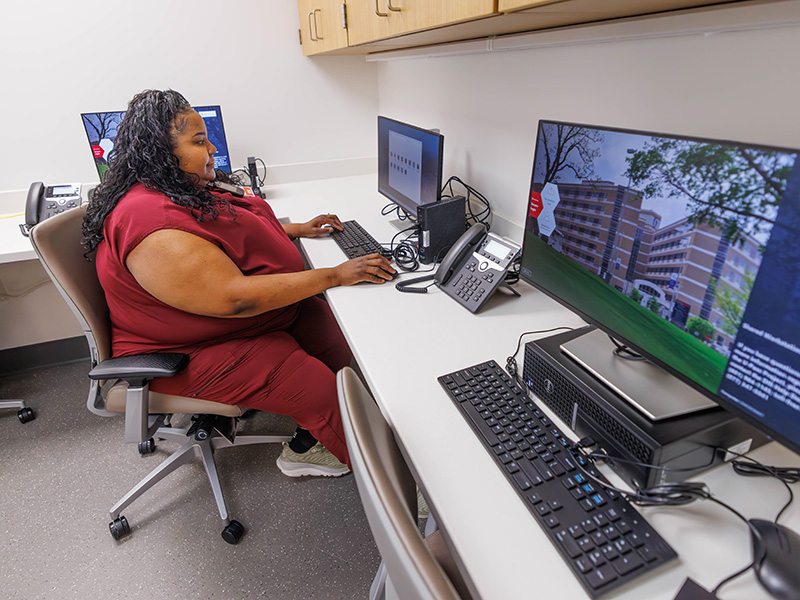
x=370 y=20
x=506 y=5
x=321 y=25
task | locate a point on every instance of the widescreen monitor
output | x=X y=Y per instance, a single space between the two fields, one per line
x=101 y=130
x=685 y=249
x=409 y=164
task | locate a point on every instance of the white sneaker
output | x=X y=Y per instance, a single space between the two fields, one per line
x=317 y=461
x=422 y=506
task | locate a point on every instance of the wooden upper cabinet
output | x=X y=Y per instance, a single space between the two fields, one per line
x=321 y=25
x=381 y=25
x=371 y=20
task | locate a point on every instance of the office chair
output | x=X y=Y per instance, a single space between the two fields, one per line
x=122 y=385
x=413 y=567
x=24 y=414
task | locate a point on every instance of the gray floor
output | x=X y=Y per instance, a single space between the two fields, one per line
x=306 y=538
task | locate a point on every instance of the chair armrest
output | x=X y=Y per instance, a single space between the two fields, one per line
x=140 y=367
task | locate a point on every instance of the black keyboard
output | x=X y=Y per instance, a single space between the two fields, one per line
x=598 y=533
x=355 y=241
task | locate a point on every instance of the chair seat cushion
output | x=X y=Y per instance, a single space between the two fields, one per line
x=167 y=404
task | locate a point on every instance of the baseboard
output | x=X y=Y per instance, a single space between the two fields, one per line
x=45 y=354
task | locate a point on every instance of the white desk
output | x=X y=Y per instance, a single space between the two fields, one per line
x=13 y=245
x=403 y=342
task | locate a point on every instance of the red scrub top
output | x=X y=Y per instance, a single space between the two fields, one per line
x=250 y=235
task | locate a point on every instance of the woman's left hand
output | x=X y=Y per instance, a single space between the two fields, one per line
x=320 y=225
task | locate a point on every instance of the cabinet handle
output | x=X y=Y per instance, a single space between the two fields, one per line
x=310 y=32
x=314 y=18
x=378 y=11
x=390 y=7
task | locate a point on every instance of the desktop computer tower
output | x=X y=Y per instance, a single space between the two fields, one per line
x=440 y=225
x=686 y=442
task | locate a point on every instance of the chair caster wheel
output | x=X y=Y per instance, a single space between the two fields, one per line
x=147 y=447
x=233 y=532
x=25 y=415
x=119 y=527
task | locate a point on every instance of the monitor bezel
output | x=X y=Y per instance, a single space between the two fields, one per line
x=216 y=107
x=88 y=139
x=731 y=407
x=396 y=197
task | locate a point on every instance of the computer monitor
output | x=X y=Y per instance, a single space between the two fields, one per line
x=101 y=130
x=409 y=164
x=686 y=250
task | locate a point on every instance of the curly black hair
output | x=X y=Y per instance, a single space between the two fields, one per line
x=144 y=153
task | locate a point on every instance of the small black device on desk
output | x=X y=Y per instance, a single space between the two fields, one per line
x=44 y=201
x=601 y=537
x=355 y=241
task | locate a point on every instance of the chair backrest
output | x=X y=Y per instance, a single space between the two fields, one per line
x=57 y=243
x=388 y=493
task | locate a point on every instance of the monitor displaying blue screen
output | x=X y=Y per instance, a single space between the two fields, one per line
x=686 y=249
x=101 y=129
x=409 y=164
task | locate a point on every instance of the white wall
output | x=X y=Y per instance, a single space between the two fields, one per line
x=58 y=59
x=737 y=85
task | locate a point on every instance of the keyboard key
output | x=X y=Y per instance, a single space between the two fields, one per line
x=625 y=564
x=522 y=481
x=570 y=545
x=600 y=577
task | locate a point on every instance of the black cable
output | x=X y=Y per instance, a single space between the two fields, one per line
x=755 y=560
x=405 y=255
x=754 y=468
x=511 y=361
x=674 y=494
x=261 y=180
x=484 y=215
x=612 y=459
x=238 y=176
x=514 y=269
x=624 y=352
x=402 y=214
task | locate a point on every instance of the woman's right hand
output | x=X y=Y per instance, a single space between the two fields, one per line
x=373 y=268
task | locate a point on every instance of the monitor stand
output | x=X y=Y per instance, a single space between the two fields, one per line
x=403 y=225
x=646 y=387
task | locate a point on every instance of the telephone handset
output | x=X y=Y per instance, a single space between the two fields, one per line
x=463 y=245
x=45 y=201
x=473 y=268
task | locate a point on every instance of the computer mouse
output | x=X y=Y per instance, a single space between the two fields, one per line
x=779 y=569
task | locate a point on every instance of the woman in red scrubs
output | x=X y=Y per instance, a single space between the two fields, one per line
x=189 y=269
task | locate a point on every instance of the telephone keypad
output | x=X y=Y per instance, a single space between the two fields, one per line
x=481 y=272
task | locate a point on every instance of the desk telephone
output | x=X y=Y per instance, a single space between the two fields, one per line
x=473 y=269
x=45 y=201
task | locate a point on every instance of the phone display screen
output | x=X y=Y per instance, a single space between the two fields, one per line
x=62 y=190
x=496 y=249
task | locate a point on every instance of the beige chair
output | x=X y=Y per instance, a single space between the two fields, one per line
x=121 y=385
x=413 y=568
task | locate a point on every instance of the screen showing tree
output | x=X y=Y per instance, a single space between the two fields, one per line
x=101 y=129
x=686 y=249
